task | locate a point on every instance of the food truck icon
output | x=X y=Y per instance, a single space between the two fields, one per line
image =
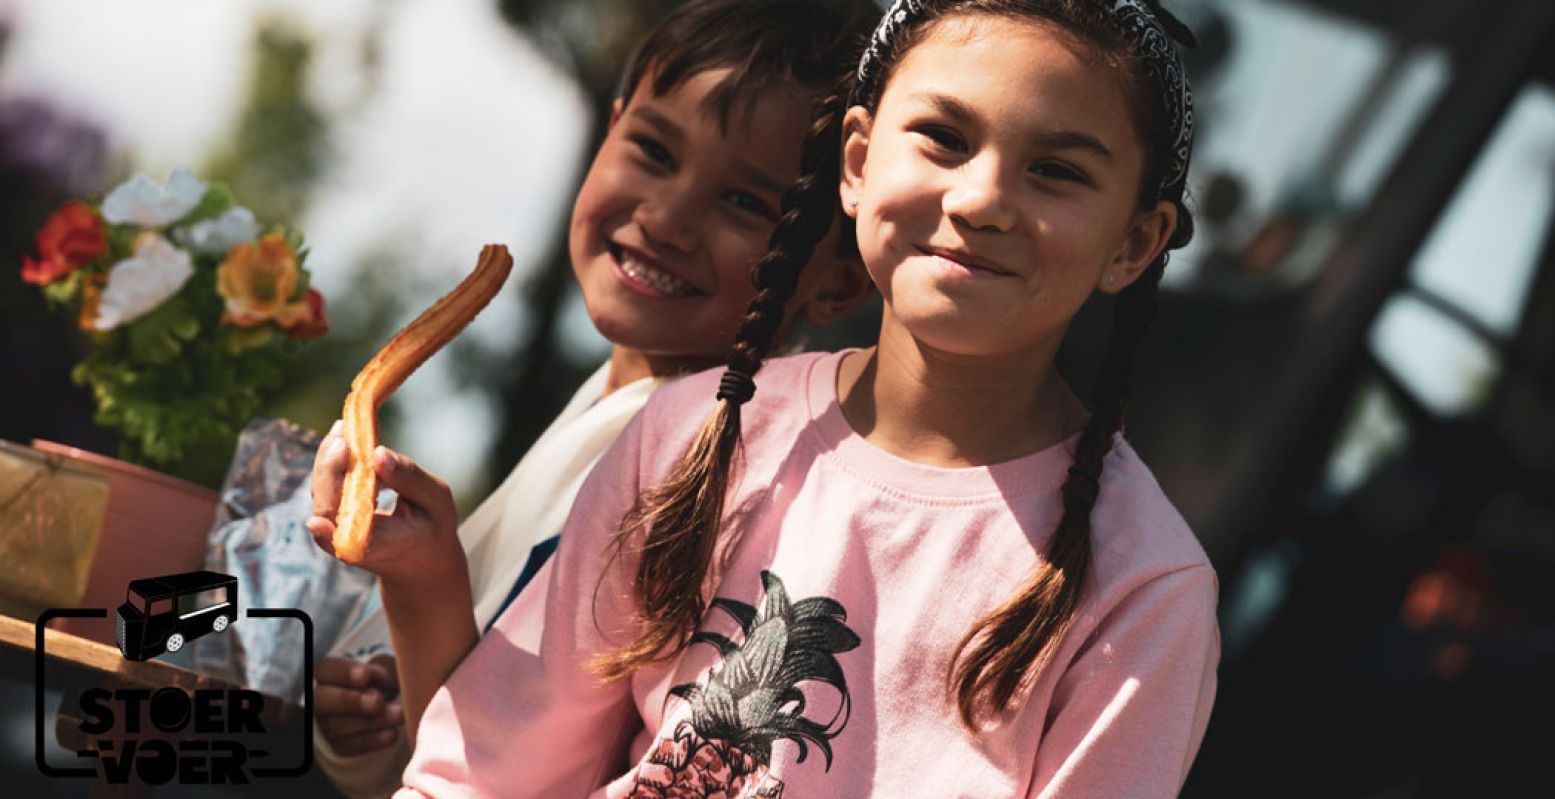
x=161 y=614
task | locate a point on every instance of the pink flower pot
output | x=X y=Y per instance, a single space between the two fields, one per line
x=153 y=525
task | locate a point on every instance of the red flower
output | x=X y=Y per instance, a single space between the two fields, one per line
x=305 y=319
x=71 y=238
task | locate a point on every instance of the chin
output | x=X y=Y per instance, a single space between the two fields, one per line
x=621 y=329
x=954 y=333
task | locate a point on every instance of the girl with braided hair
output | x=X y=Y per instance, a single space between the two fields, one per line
x=678 y=203
x=920 y=569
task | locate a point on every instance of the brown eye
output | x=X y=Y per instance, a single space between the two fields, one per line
x=1055 y=170
x=942 y=138
x=654 y=151
x=750 y=203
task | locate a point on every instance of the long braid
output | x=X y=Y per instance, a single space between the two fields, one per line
x=680 y=518
x=1003 y=648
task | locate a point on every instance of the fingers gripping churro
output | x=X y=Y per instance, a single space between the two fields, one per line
x=384 y=373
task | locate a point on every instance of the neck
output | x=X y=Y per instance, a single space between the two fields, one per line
x=943 y=409
x=629 y=365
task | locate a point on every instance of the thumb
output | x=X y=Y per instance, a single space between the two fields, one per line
x=413 y=483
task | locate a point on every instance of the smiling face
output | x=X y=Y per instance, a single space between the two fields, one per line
x=997 y=185
x=676 y=210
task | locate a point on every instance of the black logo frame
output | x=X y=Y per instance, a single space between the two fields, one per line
x=40 y=657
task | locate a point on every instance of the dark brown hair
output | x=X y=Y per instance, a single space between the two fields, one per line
x=679 y=520
x=765 y=44
x=816 y=45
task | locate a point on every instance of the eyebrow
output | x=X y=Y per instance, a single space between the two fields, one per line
x=1058 y=139
x=764 y=180
x=660 y=123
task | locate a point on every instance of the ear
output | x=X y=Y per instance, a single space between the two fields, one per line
x=617 y=108
x=840 y=285
x=1146 y=238
x=855 y=148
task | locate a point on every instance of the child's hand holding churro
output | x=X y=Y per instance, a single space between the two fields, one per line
x=418 y=542
x=414 y=550
x=424 y=576
x=350 y=464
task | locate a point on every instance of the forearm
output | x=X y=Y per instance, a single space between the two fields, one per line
x=432 y=631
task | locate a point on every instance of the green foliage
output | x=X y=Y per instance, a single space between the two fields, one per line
x=171 y=390
x=63 y=291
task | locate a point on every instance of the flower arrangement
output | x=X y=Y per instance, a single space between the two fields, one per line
x=190 y=305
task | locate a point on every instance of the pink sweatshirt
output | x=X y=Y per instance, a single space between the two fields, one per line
x=820 y=669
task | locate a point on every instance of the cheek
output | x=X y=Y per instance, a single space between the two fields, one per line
x=901 y=190
x=607 y=186
x=1076 y=240
x=735 y=254
x=586 y=210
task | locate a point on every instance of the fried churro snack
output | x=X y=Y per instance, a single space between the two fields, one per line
x=383 y=374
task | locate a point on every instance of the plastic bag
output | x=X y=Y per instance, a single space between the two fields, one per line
x=259 y=538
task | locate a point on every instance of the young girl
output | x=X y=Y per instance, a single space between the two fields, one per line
x=923 y=569
x=677 y=206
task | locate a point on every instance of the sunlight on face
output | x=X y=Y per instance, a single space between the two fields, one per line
x=676 y=209
x=997 y=186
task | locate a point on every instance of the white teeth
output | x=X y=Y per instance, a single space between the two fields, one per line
x=662 y=281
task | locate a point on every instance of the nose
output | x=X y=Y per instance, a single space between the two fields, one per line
x=669 y=217
x=979 y=198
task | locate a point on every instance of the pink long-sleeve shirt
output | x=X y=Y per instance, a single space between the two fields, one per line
x=849 y=575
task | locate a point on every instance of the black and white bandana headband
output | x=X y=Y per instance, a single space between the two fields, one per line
x=1132 y=17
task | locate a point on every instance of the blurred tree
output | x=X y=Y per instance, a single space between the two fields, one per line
x=279 y=141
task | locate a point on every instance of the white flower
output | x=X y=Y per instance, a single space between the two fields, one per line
x=138 y=285
x=236 y=226
x=141 y=201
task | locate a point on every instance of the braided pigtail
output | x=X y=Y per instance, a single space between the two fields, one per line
x=1003 y=648
x=679 y=520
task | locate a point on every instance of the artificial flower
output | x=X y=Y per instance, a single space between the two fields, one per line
x=257 y=280
x=236 y=226
x=176 y=383
x=140 y=201
x=91 y=300
x=71 y=238
x=137 y=285
x=305 y=319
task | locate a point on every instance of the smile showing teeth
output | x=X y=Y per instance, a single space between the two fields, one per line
x=659 y=280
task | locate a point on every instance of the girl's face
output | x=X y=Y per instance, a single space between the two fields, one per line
x=675 y=211
x=997 y=186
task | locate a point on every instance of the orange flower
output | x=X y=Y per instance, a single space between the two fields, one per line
x=257 y=281
x=71 y=238
x=91 y=300
x=305 y=319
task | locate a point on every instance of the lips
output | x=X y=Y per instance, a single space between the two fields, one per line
x=648 y=275
x=967 y=260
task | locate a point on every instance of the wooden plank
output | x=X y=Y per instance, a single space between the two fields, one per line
x=101 y=658
x=88 y=661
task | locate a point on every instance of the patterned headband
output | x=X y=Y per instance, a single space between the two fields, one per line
x=1132 y=17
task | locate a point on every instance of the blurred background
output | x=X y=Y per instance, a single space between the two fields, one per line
x=1350 y=392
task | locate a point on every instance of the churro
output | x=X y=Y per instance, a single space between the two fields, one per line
x=383 y=374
